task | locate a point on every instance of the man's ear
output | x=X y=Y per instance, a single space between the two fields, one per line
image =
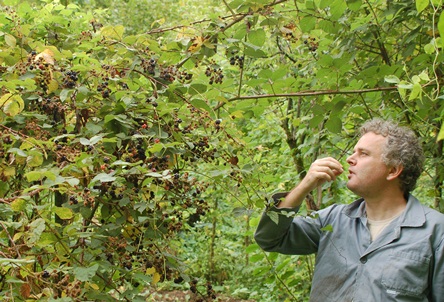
x=394 y=172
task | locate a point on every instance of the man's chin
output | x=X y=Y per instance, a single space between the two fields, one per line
x=350 y=186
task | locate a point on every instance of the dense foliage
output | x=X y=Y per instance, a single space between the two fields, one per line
x=137 y=152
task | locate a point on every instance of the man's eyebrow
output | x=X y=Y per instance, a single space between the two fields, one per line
x=360 y=149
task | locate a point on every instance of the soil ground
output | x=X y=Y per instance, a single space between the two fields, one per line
x=187 y=296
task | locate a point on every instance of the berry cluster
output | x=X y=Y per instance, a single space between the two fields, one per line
x=200 y=297
x=70 y=79
x=215 y=74
x=23 y=66
x=14 y=17
x=33 y=129
x=288 y=32
x=149 y=66
x=85 y=196
x=168 y=73
x=45 y=72
x=95 y=25
x=54 y=109
x=110 y=71
x=200 y=150
x=145 y=257
x=156 y=163
x=312 y=44
x=184 y=76
x=176 y=125
x=62 y=284
x=103 y=89
x=237 y=60
x=85 y=36
x=217 y=124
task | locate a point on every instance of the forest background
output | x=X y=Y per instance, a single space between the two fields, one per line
x=141 y=140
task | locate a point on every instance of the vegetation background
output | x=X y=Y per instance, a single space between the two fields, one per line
x=141 y=140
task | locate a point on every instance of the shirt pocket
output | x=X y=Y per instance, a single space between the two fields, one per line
x=406 y=273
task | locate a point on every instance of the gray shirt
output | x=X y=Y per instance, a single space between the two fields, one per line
x=404 y=263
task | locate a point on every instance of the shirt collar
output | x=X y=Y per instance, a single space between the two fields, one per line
x=413 y=215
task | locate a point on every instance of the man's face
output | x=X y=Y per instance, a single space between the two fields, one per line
x=367 y=172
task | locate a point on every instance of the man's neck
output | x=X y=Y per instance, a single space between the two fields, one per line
x=384 y=208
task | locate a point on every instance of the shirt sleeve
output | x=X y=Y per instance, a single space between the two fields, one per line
x=279 y=231
x=437 y=292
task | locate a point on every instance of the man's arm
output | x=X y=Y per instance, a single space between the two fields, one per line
x=321 y=171
x=299 y=235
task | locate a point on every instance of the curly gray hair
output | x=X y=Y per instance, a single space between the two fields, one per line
x=402 y=148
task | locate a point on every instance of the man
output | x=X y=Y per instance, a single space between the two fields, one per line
x=385 y=246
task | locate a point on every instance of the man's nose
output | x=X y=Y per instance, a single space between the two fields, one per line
x=350 y=160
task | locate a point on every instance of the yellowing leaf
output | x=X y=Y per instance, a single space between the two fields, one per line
x=197 y=43
x=63 y=213
x=18 y=205
x=441 y=133
x=150 y=271
x=7 y=171
x=113 y=32
x=17 y=236
x=47 y=56
x=34 y=159
x=46 y=240
x=156 y=277
x=12 y=104
x=10 y=40
x=94 y=286
x=52 y=86
x=25 y=290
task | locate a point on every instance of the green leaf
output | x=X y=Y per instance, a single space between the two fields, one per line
x=256 y=257
x=257 y=37
x=337 y=9
x=103 y=177
x=334 y=124
x=416 y=92
x=273 y=216
x=16 y=261
x=46 y=239
x=441 y=26
x=354 y=5
x=251 y=248
x=201 y=104
x=34 y=159
x=429 y=48
x=327 y=228
x=84 y=274
x=421 y=5
x=391 y=79
x=36 y=229
x=307 y=24
x=33 y=176
x=197 y=89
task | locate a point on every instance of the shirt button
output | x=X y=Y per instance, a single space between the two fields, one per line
x=364 y=260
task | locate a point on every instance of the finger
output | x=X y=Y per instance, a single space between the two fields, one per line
x=331 y=163
x=325 y=173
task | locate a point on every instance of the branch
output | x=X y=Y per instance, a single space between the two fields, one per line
x=11 y=199
x=305 y=93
